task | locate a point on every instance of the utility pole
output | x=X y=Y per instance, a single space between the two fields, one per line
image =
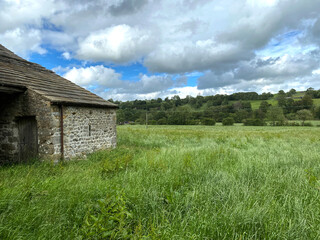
x=146 y=120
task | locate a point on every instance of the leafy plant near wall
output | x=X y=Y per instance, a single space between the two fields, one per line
x=109 y=218
x=115 y=163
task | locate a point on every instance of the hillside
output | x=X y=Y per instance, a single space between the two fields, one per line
x=273 y=101
x=207 y=110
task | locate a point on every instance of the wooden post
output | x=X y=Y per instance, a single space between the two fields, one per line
x=146 y=120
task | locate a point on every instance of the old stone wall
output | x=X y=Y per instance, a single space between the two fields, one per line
x=8 y=128
x=85 y=130
x=12 y=107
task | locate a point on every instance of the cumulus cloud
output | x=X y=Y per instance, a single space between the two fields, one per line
x=259 y=72
x=119 y=44
x=283 y=67
x=148 y=84
x=22 y=41
x=99 y=78
x=198 y=56
x=94 y=76
x=212 y=80
x=15 y=14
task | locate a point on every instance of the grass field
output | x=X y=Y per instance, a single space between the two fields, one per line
x=173 y=182
x=255 y=104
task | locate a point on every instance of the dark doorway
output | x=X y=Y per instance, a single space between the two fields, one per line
x=28 y=138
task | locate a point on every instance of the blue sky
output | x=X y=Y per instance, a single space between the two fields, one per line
x=142 y=49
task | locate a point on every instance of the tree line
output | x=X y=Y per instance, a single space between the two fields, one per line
x=228 y=109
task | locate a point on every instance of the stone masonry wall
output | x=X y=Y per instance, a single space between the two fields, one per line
x=8 y=129
x=85 y=130
x=14 y=106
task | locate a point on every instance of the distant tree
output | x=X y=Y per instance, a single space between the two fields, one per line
x=192 y=101
x=208 y=121
x=291 y=92
x=162 y=121
x=275 y=115
x=176 y=99
x=265 y=96
x=253 y=122
x=160 y=115
x=281 y=97
x=259 y=114
x=291 y=116
x=304 y=115
x=225 y=101
x=240 y=115
x=317 y=94
x=229 y=121
x=307 y=101
x=199 y=101
x=237 y=105
x=264 y=106
x=166 y=105
x=289 y=105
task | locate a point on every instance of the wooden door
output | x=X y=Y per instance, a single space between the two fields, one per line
x=28 y=138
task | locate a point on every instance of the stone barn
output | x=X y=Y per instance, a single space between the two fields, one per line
x=43 y=115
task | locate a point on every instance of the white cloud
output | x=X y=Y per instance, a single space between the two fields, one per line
x=119 y=44
x=181 y=57
x=316 y=72
x=16 y=13
x=66 y=55
x=22 y=41
x=99 y=76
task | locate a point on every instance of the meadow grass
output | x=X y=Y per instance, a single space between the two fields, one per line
x=173 y=182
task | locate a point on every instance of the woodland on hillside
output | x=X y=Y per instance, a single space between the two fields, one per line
x=249 y=108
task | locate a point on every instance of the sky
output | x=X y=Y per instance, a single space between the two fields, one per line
x=144 y=49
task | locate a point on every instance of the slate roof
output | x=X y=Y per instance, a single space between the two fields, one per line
x=18 y=73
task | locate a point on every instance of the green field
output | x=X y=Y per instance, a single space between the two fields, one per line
x=256 y=103
x=173 y=182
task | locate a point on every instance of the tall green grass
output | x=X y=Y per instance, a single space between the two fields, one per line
x=173 y=182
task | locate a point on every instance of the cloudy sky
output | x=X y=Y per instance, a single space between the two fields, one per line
x=142 y=49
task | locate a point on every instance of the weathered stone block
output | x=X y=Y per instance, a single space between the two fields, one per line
x=8 y=147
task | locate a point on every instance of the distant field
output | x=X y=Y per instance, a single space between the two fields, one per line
x=256 y=103
x=316 y=102
x=173 y=182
